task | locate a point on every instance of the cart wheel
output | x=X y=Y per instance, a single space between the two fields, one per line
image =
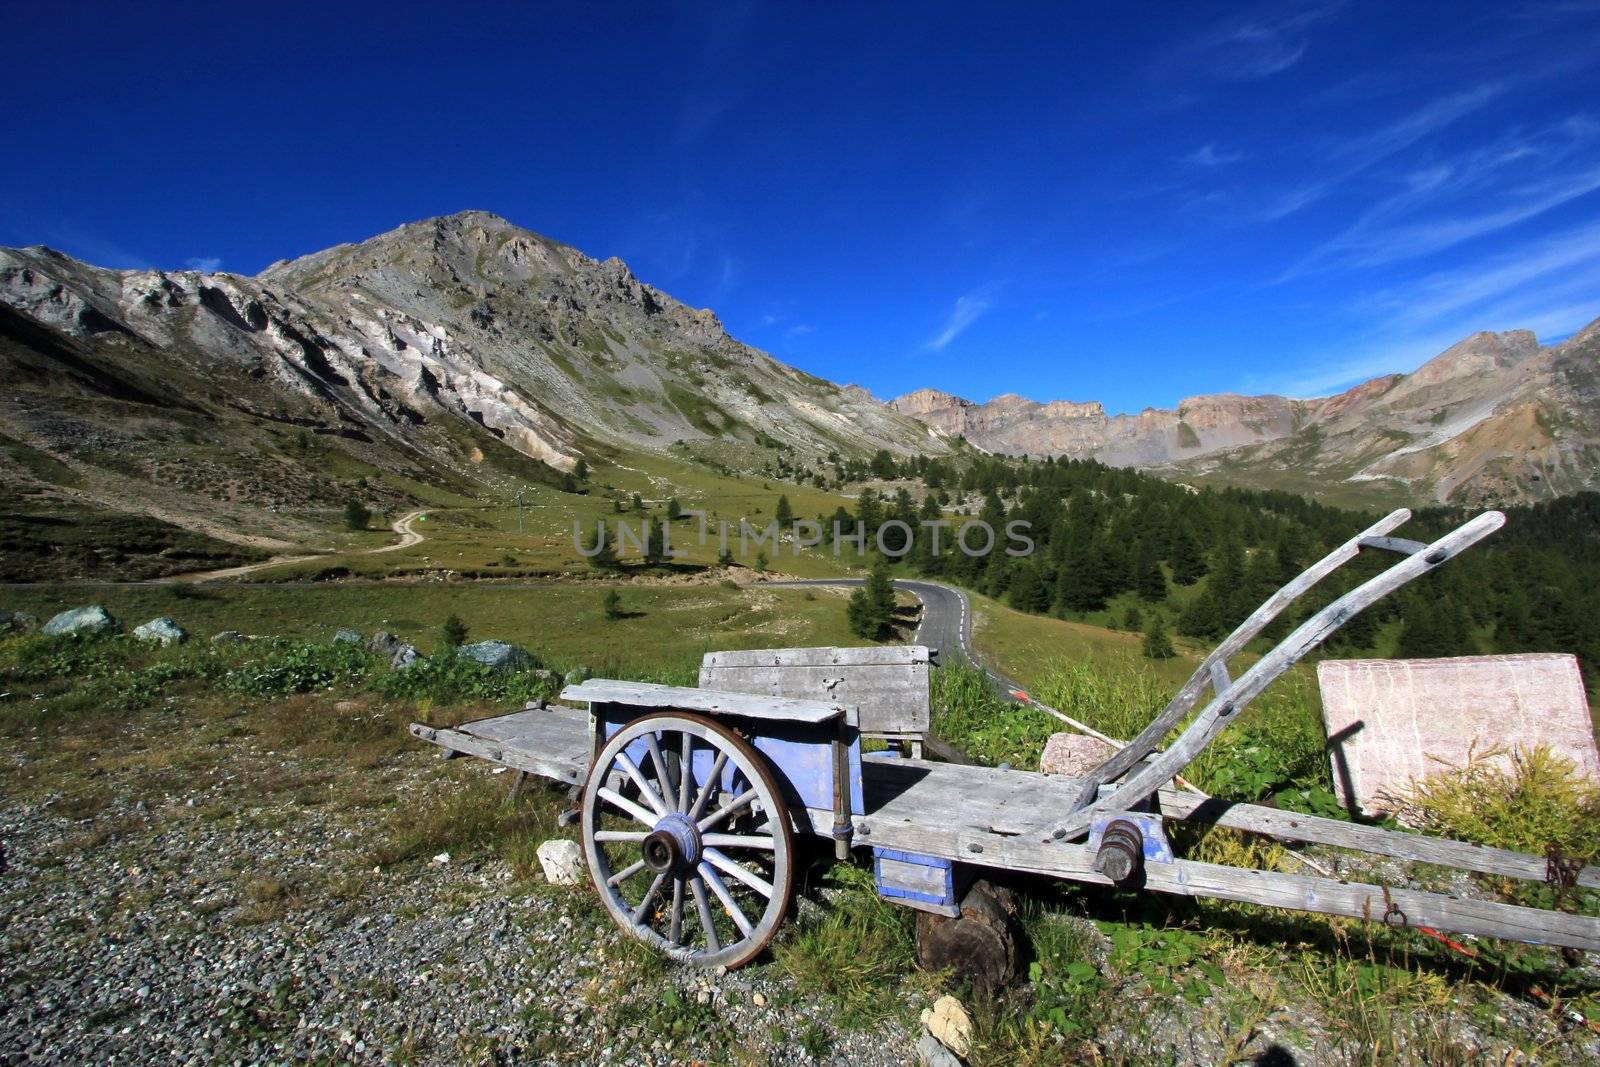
x=700 y=865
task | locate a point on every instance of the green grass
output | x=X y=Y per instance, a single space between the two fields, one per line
x=564 y=624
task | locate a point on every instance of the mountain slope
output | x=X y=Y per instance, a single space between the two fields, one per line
x=1495 y=418
x=441 y=360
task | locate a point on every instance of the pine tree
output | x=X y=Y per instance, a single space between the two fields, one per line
x=453 y=633
x=1133 y=619
x=1157 y=645
x=580 y=469
x=871 y=608
x=612 y=605
x=784 y=513
x=1027 y=592
x=1188 y=564
x=674 y=510
x=601 y=553
x=1148 y=581
x=655 y=543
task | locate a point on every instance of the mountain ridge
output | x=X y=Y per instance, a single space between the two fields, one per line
x=1496 y=417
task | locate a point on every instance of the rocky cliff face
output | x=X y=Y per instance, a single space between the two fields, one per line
x=1495 y=418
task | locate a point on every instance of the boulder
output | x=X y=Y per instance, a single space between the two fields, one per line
x=383 y=643
x=497 y=655
x=1073 y=755
x=346 y=636
x=17 y=622
x=92 y=619
x=577 y=677
x=227 y=637
x=162 y=629
x=404 y=656
x=562 y=862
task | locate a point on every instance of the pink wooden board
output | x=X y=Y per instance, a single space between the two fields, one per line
x=1392 y=721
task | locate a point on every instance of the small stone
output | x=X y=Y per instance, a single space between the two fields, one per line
x=227 y=637
x=92 y=619
x=346 y=636
x=759 y=999
x=162 y=629
x=19 y=622
x=1073 y=755
x=562 y=861
x=948 y=1021
x=930 y=1053
x=441 y=859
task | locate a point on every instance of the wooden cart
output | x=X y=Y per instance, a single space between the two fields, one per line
x=690 y=798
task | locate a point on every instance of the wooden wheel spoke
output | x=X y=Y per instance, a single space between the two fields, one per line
x=743 y=800
x=698 y=886
x=739 y=871
x=626 y=873
x=729 y=905
x=708 y=785
x=676 y=933
x=685 y=770
x=646 y=790
x=663 y=775
x=621 y=837
x=622 y=803
x=649 y=897
x=766 y=844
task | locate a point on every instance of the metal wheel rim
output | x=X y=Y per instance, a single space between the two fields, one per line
x=701 y=907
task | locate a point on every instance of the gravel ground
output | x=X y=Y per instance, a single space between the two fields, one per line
x=194 y=929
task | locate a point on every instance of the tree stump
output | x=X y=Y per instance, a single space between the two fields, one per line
x=979 y=945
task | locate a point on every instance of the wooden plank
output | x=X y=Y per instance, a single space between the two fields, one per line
x=1310 y=829
x=646 y=695
x=876 y=655
x=1397 y=907
x=553 y=767
x=889 y=684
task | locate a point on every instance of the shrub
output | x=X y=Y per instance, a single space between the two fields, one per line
x=292 y=667
x=612 y=605
x=356 y=514
x=454 y=632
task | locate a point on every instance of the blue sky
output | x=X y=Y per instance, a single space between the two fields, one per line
x=1059 y=200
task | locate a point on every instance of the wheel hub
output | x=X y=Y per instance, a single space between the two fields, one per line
x=674 y=845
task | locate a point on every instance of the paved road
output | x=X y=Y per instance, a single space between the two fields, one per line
x=946 y=621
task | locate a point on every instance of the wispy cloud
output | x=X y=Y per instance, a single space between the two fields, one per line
x=1550 y=286
x=799 y=329
x=1440 y=205
x=1259 y=45
x=1209 y=155
x=1347 y=158
x=967 y=310
x=205 y=264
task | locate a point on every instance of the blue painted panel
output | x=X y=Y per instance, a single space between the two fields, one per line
x=941 y=870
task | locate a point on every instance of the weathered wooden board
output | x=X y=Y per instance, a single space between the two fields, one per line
x=1393 y=721
x=889 y=684
x=682 y=698
x=552 y=742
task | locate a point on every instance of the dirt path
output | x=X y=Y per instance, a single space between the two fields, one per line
x=401 y=526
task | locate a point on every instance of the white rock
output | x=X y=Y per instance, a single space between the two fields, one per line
x=562 y=862
x=442 y=858
x=948 y=1021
